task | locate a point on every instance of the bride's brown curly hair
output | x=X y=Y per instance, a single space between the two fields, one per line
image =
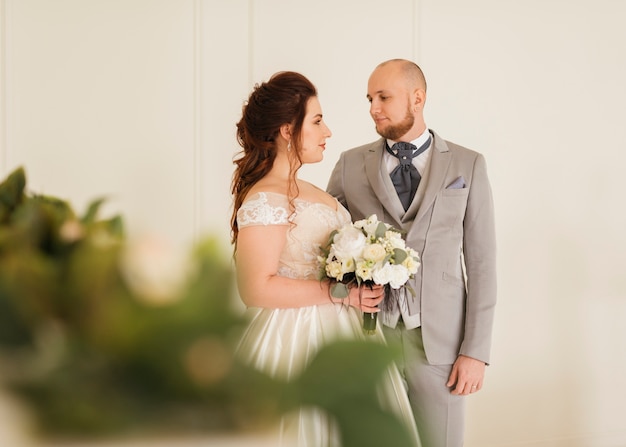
x=281 y=100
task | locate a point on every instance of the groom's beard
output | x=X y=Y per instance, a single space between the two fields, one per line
x=394 y=132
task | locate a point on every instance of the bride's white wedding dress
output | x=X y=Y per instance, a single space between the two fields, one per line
x=281 y=342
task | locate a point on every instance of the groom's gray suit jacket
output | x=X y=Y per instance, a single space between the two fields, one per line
x=451 y=224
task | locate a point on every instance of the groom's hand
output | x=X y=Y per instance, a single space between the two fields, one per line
x=466 y=376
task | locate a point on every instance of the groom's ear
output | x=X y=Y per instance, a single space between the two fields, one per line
x=419 y=98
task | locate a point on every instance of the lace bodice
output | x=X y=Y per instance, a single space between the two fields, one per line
x=309 y=228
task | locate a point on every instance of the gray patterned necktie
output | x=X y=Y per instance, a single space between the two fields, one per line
x=405 y=177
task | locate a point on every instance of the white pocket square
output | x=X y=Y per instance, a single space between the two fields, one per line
x=458 y=183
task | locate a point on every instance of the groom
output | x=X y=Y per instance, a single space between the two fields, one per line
x=439 y=193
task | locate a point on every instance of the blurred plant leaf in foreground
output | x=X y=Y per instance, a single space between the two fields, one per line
x=100 y=335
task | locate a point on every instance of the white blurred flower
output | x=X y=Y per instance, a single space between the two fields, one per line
x=359 y=223
x=71 y=230
x=334 y=270
x=364 y=270
x=369 y=225
x=349 y=242
x=154 y=270
x=411 y=264
x=394 y=239
x=348 y=265
x=374 y=252
x=394 y=275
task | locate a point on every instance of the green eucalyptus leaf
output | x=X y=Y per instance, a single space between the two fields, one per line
x=331 y=237
x=399 y=255
x=339 y=290
x=56 y=210
x=11 y=192
x=92 y=211
x=116 y=226
x=410 y=289
x=381 y=229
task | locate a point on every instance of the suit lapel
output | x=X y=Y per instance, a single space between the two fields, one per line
x=382 y=185
x=439 y=163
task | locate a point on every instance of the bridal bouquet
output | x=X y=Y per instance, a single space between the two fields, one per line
x=367 y=252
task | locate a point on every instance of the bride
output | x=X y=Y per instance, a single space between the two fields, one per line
x=279 y=223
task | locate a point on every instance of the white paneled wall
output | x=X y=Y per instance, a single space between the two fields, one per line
x=538 y=88
x=223 y=81
x=138 y=100
x=100 y=101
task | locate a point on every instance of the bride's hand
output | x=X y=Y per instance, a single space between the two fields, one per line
x=369 y=300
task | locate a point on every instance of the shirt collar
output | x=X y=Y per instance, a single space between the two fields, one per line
x=417 y=142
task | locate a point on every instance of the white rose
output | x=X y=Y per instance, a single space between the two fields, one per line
x=348 y=243
x=374 y=252
x=394 y=275
x=381 y=275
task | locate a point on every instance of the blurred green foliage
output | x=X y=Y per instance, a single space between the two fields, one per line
x=91 y=356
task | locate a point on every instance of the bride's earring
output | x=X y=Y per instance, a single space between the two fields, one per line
x=288 y=146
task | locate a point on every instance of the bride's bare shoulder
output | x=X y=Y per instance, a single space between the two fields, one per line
x=312 y=193
x=266 y=186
